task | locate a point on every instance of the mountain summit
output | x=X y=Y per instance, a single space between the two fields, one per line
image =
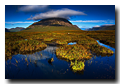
x=52 y=24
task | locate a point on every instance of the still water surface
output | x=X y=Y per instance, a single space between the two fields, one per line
x=36 y=66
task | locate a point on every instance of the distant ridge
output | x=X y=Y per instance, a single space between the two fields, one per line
x=51 y=24
x=16 y=29
x=112 y=27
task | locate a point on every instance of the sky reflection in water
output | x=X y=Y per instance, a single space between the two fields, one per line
x=36 y=66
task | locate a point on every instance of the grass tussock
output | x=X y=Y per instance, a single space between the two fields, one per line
x=99 y=50
x=73 y=52
x=77 y=65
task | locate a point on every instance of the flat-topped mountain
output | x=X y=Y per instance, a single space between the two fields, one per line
x=52 y=24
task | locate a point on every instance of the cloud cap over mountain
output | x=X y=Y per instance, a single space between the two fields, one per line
x=62 y=13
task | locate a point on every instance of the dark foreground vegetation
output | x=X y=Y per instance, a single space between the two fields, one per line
x=27 y=42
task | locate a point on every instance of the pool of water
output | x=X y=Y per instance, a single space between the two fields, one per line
x=72 y=43
x=36 y=66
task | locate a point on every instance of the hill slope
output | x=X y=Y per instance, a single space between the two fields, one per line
x=51 y=24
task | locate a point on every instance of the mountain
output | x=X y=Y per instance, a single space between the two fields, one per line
x=16 y=29
x=6 y=30
x=112 y=27
x=51 y=24
x=76 y=26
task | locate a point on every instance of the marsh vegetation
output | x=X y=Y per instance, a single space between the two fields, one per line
x=21 y=42
x=84 y=48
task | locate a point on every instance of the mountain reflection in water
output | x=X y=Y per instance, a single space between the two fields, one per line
x=36 y=66
x=46 y=53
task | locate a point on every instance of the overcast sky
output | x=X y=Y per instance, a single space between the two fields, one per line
x=84 y=16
